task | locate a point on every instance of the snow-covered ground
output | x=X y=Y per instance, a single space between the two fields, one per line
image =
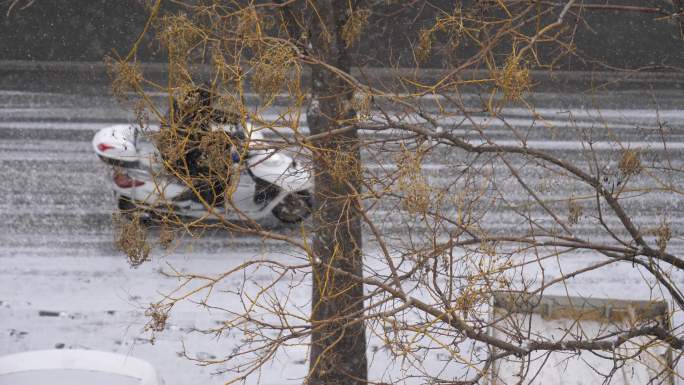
x=63 y=284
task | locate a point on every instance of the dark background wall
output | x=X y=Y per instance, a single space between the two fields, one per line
x=614 y=38
x=72 y=30
x=87 y=30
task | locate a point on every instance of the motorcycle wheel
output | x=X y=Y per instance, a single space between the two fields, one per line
x=294 y=208
x=130 y=209
x=126 y=206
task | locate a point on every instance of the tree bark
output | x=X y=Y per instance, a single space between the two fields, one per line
x=338 y=344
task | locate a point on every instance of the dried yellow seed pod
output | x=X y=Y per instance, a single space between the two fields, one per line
x=630 y=163
x=424 y=47
x=663 y=235
x=513 y=79
x=130 y=236
x=574 y=212
x=352 y=29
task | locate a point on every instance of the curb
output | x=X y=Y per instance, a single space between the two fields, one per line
x=32 y=75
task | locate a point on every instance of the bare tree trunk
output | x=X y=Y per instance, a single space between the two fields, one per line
x=338 y=346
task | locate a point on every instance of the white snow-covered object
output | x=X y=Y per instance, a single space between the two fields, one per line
x=23 y=367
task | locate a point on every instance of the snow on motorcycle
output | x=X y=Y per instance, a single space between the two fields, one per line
x=271 y=183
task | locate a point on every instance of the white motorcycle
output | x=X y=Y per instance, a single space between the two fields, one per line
x=271 y=183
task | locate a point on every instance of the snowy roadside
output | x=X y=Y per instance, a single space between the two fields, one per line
x=99 y=302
